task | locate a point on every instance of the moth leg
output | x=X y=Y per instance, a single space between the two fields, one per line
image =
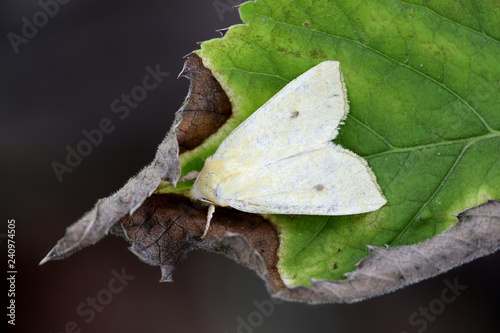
x=211 y=210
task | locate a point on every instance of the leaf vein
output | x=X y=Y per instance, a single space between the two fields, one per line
x=426 y=204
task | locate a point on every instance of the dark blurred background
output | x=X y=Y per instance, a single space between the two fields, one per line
x=62 y=81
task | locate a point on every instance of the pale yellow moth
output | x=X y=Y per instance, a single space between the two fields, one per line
x=281 y=159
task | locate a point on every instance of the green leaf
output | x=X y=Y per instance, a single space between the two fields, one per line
x=423 y=80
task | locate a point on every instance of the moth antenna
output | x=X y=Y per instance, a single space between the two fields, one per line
x=211 y=210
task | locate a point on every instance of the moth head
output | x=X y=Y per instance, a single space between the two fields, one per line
x=197 y=193
x=205 y=187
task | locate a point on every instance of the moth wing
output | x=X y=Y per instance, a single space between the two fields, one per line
x=302 y=115
x=328 y=180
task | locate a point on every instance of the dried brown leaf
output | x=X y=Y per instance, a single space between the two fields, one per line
x=166 y=227
x=206 y=108
x=95 y=224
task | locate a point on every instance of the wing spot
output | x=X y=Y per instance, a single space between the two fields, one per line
x=295 y=114
x=319 y=187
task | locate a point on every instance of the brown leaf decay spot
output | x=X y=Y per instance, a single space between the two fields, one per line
x=166 y=227
x=206 y=108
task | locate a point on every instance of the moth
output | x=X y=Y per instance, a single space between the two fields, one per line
x=281 y=159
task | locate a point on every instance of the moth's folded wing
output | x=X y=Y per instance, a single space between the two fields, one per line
x=304 y=114
x=325 y=181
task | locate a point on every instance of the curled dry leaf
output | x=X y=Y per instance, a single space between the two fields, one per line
x=95 y=224
x=389 y=269
x=166 y=227
x=206 y=108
